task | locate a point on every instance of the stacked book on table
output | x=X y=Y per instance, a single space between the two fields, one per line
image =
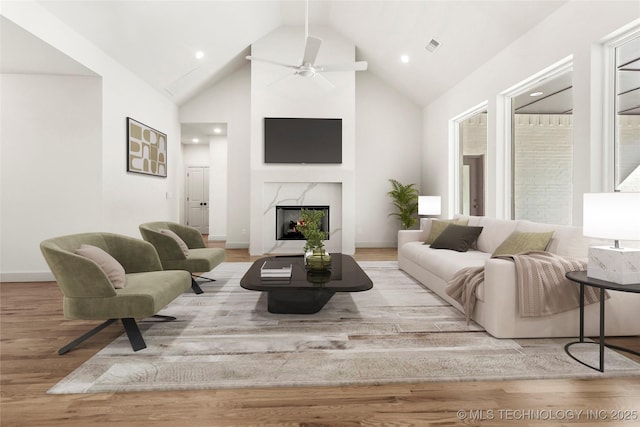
x=275 y=270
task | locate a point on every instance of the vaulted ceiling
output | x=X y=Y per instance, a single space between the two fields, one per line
x=157 y=40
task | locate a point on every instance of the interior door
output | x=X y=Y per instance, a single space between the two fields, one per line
x=475 y=185
x=198 y=198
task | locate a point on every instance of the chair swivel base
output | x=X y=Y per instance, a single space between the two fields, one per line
x=196 y=288
x=130 y=327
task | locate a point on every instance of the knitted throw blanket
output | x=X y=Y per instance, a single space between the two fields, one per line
x=543 y=288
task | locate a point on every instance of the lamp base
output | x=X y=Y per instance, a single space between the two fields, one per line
x=617 y=265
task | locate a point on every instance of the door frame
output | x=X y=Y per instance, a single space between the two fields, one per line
x=455 y=156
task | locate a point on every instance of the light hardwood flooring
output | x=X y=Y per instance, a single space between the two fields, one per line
x=32 y=328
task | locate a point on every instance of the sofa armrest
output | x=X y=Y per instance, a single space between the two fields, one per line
x=500 y=296
x=406 y=236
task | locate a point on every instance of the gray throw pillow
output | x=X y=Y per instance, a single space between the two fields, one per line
x=458 y=238
x=438 y=226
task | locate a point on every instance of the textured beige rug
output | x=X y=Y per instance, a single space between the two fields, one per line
x=398 y=332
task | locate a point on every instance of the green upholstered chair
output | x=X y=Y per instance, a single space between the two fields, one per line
x=89 y=293
x=199 y=258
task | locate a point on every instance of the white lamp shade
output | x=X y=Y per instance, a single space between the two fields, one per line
x=429 y=205
x=614 y=216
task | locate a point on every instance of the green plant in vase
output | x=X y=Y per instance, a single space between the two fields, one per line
x=309 y=226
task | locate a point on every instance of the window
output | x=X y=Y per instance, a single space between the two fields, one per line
x=542 y=150
x=627 y=115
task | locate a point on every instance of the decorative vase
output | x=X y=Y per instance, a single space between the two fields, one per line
x=318 y=277
x=318 y=260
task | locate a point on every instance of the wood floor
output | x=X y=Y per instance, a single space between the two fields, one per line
x=32 y=328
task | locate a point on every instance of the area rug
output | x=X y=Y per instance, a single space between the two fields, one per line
x=397 y=332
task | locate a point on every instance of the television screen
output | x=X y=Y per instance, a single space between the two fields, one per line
x=302 y=140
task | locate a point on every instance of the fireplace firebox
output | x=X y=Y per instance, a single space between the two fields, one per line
x=287 y=218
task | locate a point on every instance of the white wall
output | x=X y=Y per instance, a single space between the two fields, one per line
x=559 y=36
x=229 y=102
x=388 y=145
x=275 y=92
x=195 y=155
x=388 y=135
x=219 y=187
x=123 y=95
x=51 y=165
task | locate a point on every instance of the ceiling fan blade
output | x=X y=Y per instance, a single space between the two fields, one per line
x=311 y=48
x=355 y=66
x=253 y=58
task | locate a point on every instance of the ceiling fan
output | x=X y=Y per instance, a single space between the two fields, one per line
x=308 y=66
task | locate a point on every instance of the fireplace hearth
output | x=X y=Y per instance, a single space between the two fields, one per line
x=287 y=218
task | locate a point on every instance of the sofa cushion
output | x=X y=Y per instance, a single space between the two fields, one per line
x=455 y=237
x=566 y=241
x=179 y=241
x=446 y=263
x=494 y=232
x=111 y=267
x=439 y=225
x=522 y=241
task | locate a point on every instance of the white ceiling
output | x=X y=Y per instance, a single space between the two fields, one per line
x=157 y=40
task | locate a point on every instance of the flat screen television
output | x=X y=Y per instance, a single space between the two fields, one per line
x=302 y=140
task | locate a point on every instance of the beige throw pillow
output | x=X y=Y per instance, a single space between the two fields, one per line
x=438 y=226
x=111 y=267
x=520 y=241
x=174 y=236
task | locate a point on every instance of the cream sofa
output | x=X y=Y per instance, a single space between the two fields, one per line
x=496 y=306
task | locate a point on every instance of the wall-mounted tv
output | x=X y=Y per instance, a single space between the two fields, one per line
x=302 y=140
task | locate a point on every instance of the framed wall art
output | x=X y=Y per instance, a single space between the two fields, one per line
x=146 y=149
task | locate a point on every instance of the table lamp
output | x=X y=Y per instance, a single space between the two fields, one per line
x=429 y=205
x=614 y=216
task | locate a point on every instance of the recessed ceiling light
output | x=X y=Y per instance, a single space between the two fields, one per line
x=535 y=94
x=195 y=140
x=199 y=54
x=404 y=59
x=217 y=130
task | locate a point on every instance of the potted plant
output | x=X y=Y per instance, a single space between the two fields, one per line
x=405 y=199
x=309 y=226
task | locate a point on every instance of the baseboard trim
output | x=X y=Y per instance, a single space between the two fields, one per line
x=33 y=276
x=216 y=238
x=376 y=245
x=236 y=245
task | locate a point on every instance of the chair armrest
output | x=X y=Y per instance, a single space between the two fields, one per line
x=135 y=255
x=76 y=275
x=189 y=235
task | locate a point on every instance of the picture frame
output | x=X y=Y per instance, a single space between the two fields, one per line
x=146 y=149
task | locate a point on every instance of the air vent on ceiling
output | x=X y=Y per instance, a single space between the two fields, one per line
x=432 y=45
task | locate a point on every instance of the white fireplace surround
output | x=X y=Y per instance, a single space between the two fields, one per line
x=336 y=192
x=300 y=194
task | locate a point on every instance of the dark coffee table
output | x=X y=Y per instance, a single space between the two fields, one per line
x=306 y=292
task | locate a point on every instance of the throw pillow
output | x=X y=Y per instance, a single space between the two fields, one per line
x=520 y=241
x=111 y=267
x=438 y=226
x=458 y=238
x=174 y=236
